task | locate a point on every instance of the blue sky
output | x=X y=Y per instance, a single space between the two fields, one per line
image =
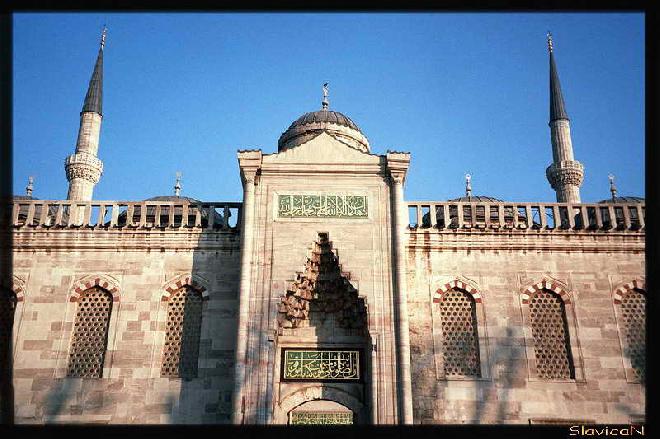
x=460 y=92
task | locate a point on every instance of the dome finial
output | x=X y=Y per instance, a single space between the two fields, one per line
x=549 y=41
x=177 y=185
x=29 y=187
x=325 y=103
x=468 y=185
x=103 y=35
x=612 y=187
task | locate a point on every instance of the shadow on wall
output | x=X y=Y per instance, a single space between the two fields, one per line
x=7 y=310
x=206 y=329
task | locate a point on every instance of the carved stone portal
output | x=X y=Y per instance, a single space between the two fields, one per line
x=323 y=290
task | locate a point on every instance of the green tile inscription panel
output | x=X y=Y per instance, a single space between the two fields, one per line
x=322 y=206
x=321 y=365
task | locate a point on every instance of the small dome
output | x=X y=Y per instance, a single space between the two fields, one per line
x=173 y=198
x=619 y=200
x=309 y=125
x=477 y=199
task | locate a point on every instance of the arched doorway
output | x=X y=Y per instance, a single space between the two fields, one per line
x=323 y=346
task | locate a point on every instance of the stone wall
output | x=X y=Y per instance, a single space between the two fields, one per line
x=52 y=264
x=589 y=267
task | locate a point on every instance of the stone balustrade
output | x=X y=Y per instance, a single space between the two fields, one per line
x=585 y=217
x=207 y=216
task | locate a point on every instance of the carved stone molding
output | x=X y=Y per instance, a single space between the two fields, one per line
x=322 y=289
x=104 y=281
x=565 y=173
x=85 y=166
x=185 y=280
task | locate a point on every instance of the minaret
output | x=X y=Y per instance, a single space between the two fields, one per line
x=564 y=174
x=83 y=168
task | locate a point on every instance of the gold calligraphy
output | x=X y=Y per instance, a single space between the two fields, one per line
x=322 y=206
x=302 y=418
x=321 y=365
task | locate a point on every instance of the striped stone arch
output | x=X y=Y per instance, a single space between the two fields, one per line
x=16 y=284
x=625 y=288
x=104 y=281
x=458 y=284
x=184 y=280
x=546 y=284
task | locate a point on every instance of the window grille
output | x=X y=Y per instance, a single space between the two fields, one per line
x=184 y=322
x=633 y=311
x=7 y=310
x=90 y=334
x=550 y=334
x=460 y=337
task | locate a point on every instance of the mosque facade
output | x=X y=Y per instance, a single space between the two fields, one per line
x=323 y=296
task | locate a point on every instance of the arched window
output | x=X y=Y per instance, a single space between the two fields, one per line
x=184 y=322
x=90 y=334
x=633 y=315
x=552 y=346
x=7 y=310
x=460 y=339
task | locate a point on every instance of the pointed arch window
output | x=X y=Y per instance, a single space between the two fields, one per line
x=460 y=341
x=550 y=334
x=90 y=334
x=184 y=322
x=633 y=316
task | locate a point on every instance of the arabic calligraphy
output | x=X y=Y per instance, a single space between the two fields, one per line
x=321 y=365
x=322 y=206
x=301 y=418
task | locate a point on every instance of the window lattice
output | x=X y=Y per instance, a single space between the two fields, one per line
x=550 y=334
x=7 y=309
x=90 y=334
x=633 y=311
x=184 y=322
x=460 y=338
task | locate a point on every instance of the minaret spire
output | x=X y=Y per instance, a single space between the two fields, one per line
x=83 y=168
x=565 y=174
x=94 y=98
x=557 y=107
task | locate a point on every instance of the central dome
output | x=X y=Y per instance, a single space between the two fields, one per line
x=309 y=125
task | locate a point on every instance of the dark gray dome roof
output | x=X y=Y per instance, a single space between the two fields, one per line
x=477 y=199
x=324 y=116
x=173 y=198
x=310 y=125
x=617 y=200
